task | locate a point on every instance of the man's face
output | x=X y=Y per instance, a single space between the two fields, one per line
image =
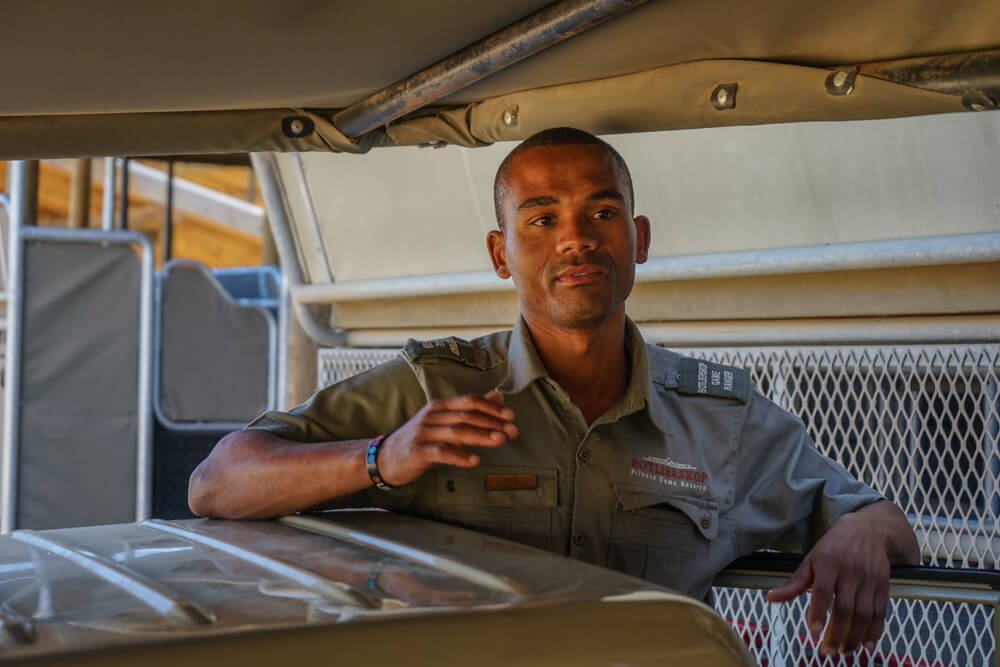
x=569 y=240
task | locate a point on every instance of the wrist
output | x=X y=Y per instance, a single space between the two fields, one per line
x=371 y=464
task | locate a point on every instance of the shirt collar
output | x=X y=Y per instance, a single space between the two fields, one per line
x=641 y=392
x=523 y=364
x=524 y=367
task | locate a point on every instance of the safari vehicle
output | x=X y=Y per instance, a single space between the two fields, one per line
x=822 y=184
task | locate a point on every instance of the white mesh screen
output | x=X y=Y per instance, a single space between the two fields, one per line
x=917 y=632
x=920 y=424
x=336 y=364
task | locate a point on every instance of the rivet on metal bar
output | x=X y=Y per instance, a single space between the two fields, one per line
x=841 y=82
x=724 y=96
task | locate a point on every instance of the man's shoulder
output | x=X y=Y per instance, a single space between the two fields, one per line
x=697 y=377
x=482 y=353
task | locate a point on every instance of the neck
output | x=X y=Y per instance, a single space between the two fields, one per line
x=589 y=364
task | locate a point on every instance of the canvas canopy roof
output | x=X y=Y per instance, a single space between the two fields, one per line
x=119 y=77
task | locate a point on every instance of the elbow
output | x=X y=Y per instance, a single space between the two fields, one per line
x=207 y=480
x=199 y=495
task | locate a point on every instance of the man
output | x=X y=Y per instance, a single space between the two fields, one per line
x=570 y=433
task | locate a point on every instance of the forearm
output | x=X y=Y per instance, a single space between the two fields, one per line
x=901 y=542
x=254 y=474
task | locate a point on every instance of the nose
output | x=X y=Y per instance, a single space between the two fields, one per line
x=577 y=234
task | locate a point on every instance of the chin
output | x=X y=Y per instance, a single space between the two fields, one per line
x=582 y=318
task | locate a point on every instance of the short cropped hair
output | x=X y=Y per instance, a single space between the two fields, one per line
x=554 y=136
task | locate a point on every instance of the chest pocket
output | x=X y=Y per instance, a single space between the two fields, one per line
x=499 y=500
x=663 y=538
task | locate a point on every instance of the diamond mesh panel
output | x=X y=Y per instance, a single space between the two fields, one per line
x=917 y=632
x=919 y=423
x=336 y=364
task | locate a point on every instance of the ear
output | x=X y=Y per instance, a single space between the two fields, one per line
x=496 y=244
x=641 y=238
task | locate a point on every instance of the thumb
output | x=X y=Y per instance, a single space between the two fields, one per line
x=796 y=585
x=494 y=396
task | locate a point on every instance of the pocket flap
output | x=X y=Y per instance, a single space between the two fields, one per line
x=702 y=512
x=498 y=486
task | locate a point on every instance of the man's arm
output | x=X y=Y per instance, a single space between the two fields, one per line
x=849 y=566
x=254 y=474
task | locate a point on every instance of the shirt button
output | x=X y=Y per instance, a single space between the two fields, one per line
x=706 y=521
x=584 y=455
x=579 y=539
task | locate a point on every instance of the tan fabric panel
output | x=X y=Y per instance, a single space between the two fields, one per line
x=191 y=133
x=932 y=290
x=661 y=99
x=122 y=56
x=821 y=34
x=679 y=97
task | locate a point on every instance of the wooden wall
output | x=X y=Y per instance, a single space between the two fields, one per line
x=195 y=237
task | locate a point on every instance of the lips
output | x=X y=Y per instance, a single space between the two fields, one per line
x=581 y=274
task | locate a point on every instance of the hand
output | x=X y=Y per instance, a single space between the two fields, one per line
x=850 y=566
x=436 y=434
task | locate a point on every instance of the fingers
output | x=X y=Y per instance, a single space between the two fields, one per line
x=863 y=617
x=880 y=605
x=450 y=455
x=471 y=418
x=482 y=421
x=436 y=434
x=796 y=585
x=491 y=406
x=819 y=604
x=460 y=434
x=847 y=613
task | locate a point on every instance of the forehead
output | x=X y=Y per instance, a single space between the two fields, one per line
x=573 y=168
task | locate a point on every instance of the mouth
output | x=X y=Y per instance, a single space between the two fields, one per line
x=581 y=274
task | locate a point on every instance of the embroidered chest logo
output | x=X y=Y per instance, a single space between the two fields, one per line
x=669 y=472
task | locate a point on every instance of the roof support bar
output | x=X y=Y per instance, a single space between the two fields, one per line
x=500 y=50
x=975 y=75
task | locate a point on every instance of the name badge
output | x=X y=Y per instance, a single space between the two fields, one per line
x=511 y=482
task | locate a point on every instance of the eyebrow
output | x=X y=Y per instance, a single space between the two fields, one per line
x=544 y=200
x=609 y=193
x=548 y=200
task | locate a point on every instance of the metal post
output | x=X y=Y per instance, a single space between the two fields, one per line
x=108 y=199
x=271 y=191
x=281 y=389
x=123 y=201
x=168 y=222
x=79 y=198
x=144 y=418
x=23 y=206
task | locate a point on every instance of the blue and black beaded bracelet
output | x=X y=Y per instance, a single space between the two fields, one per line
x=371 y=455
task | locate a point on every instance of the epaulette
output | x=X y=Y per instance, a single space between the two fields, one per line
x=452 y=348
x=704 y=378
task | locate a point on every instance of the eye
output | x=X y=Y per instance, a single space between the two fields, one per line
x=605 y=214
x=542 y=221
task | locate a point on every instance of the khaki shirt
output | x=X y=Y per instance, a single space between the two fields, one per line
x=690 y=470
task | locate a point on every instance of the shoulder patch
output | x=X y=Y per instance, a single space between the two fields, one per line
x=703 y=378
x=451 y=348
